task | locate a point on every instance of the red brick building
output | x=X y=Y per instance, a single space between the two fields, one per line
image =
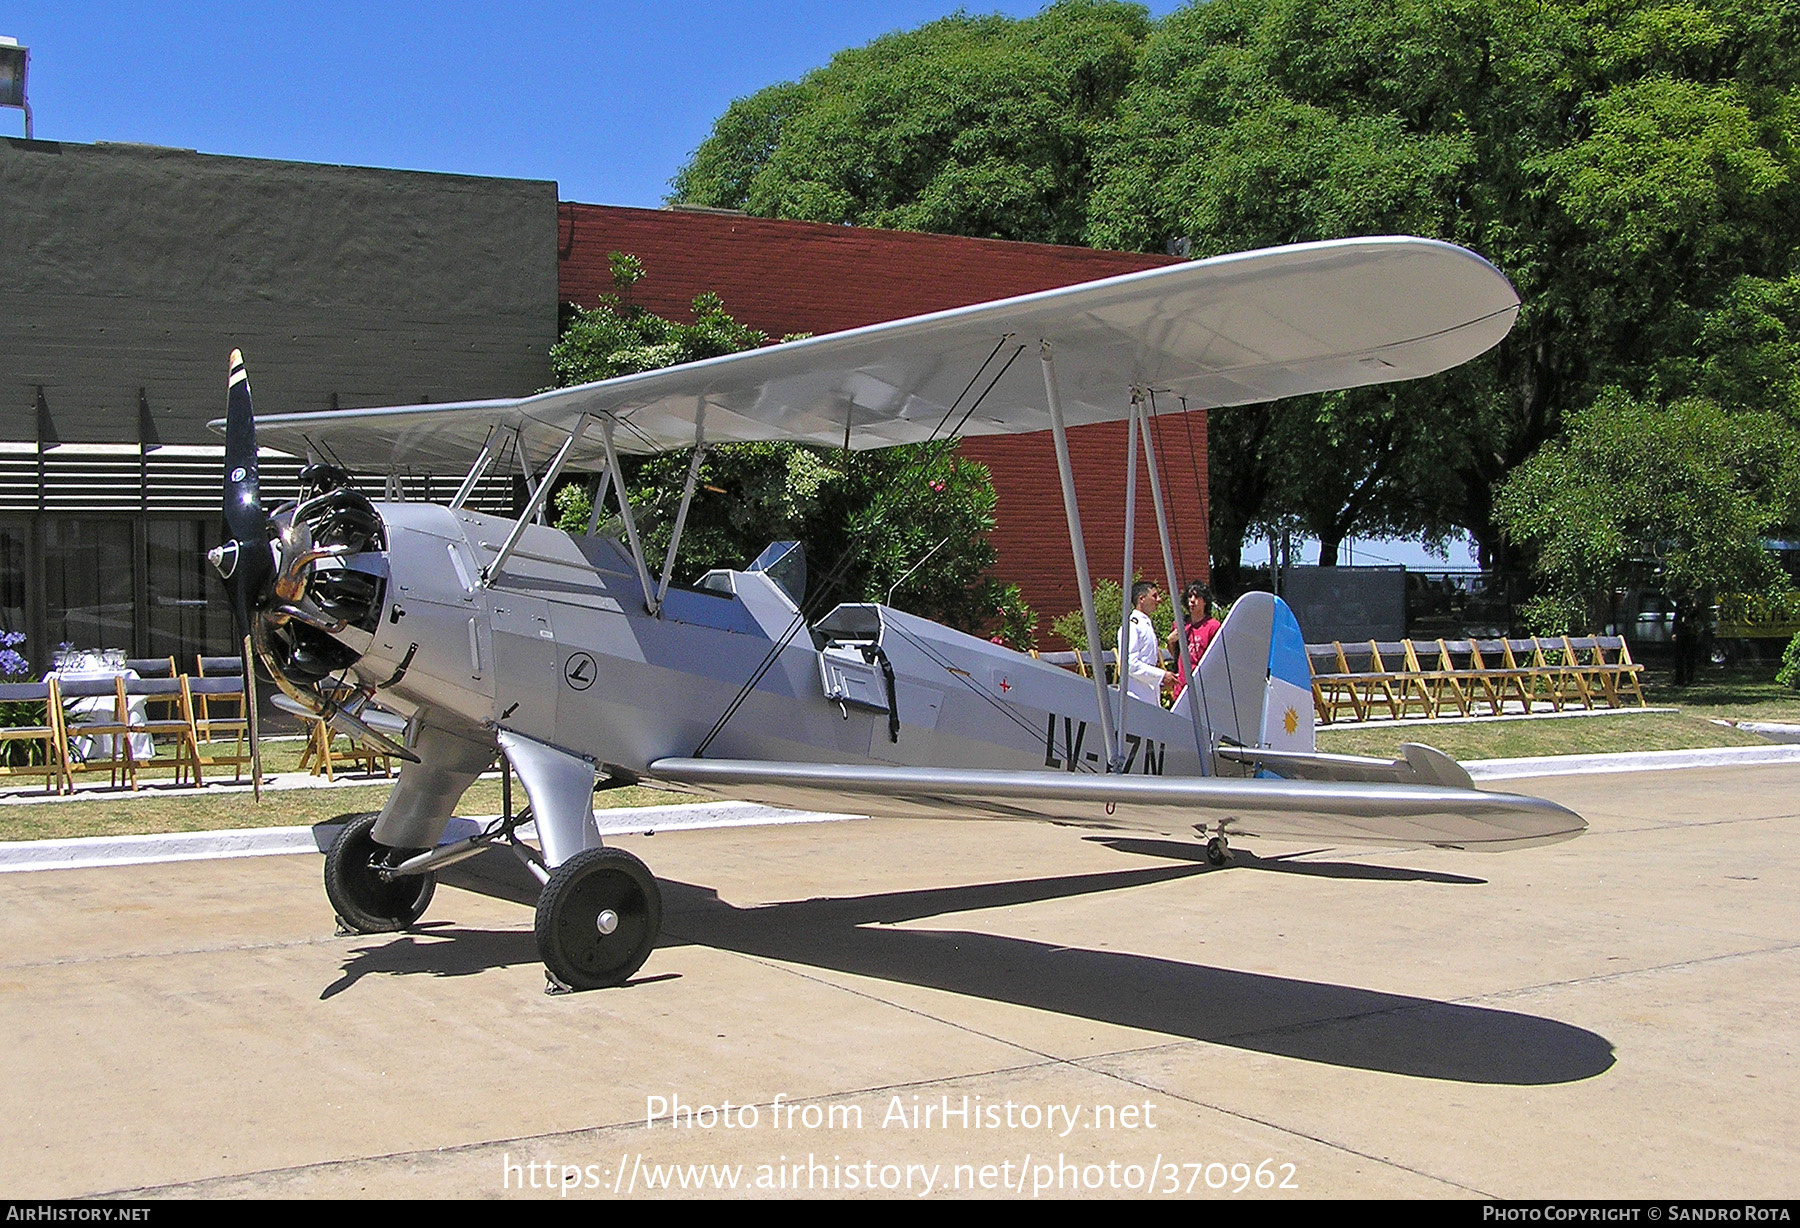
x=806 y=277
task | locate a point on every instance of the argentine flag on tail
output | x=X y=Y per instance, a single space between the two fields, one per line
x=1287 y=722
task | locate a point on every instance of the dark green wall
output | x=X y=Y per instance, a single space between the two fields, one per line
x=126 y=267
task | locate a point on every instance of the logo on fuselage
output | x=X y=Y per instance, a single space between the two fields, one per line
x=579 y=670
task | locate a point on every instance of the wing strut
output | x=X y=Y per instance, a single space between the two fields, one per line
x=538 y=494
x=1125 y=584
x=1066 y=474
x=687 y=496
x=476 y=472
x=602 y=487
x=1196 y=705
x=651 y=602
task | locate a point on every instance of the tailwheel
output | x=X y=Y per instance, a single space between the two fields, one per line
x=365 y=900
x=1218 y=853
x=598 y=918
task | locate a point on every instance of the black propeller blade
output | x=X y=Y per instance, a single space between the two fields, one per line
x=244 y=560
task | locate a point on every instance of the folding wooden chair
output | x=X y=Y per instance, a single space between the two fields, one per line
x=217 y=705
x=1622 y=670
x=1565 y=676
x=322 y=755
x=46 y=733
x=1500 y=678
x=152 y=667
x=220 y=667
x=99 y=736
x=171 y=695
x=162 y=706
x=1336 y=685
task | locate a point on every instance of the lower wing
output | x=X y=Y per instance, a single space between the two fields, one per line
x=1335 y=811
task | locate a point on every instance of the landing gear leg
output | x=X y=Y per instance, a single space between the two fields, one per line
x=598 y=919
x=1218 y=852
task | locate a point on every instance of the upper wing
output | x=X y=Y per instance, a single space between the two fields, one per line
x=1336 y=811
x=1226 y=331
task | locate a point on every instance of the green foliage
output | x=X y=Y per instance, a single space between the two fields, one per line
x=614 y=339
x=1015 y=620
x=866 y=518
x=1750 y=347
x=627 y=270
x=1676 y=497
x=1108 y=610
x=1629 y=164
x=1626 y=165
x=1789 y=673
x=969 y=125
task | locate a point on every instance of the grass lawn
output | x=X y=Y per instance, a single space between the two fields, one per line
x=1737 y=692
x=102 y=811
x=1744 y=692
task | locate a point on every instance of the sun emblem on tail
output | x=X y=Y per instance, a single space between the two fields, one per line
x=1291 y=721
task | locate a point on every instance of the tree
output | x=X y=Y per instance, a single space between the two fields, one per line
x=969 y=125
x=1624 y=163
x=1109 y=612
x=1679 y=497
x=1629 y=164
x=867 y=518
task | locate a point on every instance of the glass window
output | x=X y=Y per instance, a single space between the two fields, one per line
x=88 y=594
x=14 y=587
x=186 y=608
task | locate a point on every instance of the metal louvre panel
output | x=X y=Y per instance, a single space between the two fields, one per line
x=19 y=481
x=83 y=478
x=78 y=479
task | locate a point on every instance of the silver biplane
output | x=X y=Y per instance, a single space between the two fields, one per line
x=451 y=637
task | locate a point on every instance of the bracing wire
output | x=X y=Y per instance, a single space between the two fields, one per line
x=932 y=449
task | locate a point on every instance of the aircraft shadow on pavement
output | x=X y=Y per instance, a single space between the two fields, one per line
x=1286 y=863
x=1340 y=1025
x=440 y=948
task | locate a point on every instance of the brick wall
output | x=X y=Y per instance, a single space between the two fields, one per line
x=789 y=277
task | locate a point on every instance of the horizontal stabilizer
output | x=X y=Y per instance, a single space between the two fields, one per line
x=1418 y=765
x=1339 y=812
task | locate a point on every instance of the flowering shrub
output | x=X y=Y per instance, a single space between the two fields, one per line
x=13 y=713
x=13 y=665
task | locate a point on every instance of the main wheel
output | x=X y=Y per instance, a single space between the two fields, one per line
x=1218 y=853
x=367 y=902
x=598 y=918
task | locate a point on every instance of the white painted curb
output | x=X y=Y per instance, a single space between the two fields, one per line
x=1632 y=761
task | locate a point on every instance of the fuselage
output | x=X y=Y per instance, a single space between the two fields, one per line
x=559 y=646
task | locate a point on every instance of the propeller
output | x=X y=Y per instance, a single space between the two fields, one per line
x=294 y=580
x=245 y=561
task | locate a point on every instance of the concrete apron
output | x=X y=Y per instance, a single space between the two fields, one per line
x=1614 y=1016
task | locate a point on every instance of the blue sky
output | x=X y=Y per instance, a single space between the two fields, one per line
x=607 y=99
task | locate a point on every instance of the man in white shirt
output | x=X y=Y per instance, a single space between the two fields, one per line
x=1143 y=664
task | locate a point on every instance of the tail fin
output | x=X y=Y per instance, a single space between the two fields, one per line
x=1255 y=682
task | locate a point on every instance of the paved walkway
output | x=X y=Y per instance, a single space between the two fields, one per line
x=1615 y=1016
